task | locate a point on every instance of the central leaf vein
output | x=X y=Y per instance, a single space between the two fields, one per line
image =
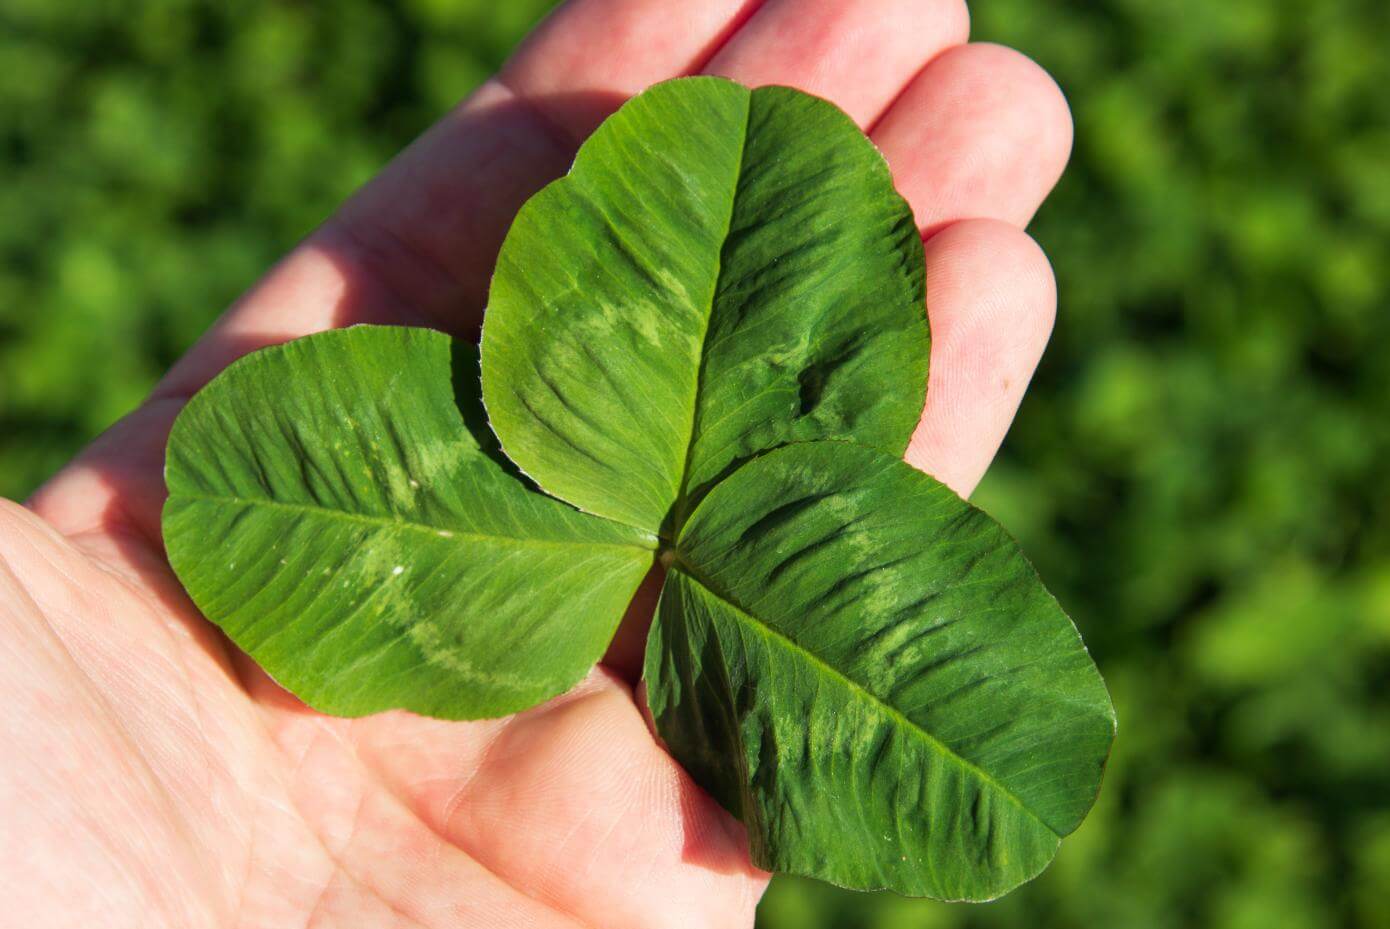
x=681 y=508
x=389 y=522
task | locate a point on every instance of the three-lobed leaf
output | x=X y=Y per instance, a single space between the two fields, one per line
x=855 y=662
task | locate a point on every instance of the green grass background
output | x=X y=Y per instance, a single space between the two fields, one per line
x=1201 y=471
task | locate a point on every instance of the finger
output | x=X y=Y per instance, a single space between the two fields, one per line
x=858 y=53
x=573 y=802
x=386 y=865
x=418 y=243
x=981 y=133
x=992 y=299
x=615 y=48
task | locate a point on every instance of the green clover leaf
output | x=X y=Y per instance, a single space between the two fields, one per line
x=706 y=346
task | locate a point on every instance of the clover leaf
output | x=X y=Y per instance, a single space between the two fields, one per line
x=705 y=347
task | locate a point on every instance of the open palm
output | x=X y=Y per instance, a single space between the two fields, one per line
x=154 y=776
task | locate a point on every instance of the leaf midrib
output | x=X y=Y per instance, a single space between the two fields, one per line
x=410 y=525
x=941 y=748
x=680 y=507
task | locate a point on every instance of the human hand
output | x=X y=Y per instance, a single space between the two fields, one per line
x=154 y=776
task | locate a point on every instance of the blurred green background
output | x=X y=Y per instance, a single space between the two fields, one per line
x=1200 y=471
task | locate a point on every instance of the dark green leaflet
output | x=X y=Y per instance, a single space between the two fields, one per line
x=863 y=667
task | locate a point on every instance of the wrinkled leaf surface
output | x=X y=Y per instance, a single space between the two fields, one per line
x=865 y=670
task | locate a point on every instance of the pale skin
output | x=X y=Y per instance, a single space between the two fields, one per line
x=150 y=775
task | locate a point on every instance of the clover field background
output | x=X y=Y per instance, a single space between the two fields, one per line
x=1200 y=471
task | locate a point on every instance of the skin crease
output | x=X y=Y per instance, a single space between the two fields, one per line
x=151 y=776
